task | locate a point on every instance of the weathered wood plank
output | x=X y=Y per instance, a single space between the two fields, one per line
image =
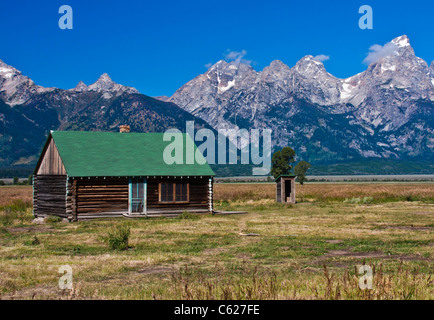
x=49 y=195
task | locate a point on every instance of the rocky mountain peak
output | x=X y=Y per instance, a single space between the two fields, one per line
x=80 y=87
x=221 y=64
x=277 y=66
x=401 y=42
x=276 y=71
x=105 y=78
x=396 y=50
x=224 y=75
x=400 y=68
x=311 y=81
x=7 y=71
x=106 y=84
x=16 y=88
x=309 y=65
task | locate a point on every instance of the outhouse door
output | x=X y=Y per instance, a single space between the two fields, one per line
x=287 y=190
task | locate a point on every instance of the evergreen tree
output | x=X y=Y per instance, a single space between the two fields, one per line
x=281 y=161
x=300 y=171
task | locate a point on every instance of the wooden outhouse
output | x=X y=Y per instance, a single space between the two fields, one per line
x=285 y=188
x=82 y=175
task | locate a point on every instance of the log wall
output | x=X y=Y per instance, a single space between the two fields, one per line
x=279 y=191
x=85 y=198
x=49 y=195
x=198 y=194
x=97 y=197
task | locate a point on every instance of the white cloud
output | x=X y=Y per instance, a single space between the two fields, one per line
x=322 y=57
x=208 y=65
x=237 y=57
x=376 y=52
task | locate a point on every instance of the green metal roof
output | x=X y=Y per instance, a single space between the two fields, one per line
x=285 y=176
x=90 y=154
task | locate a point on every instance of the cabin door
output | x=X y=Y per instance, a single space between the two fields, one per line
x=137 y=196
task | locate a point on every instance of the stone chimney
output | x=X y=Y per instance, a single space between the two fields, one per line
x=124 y=128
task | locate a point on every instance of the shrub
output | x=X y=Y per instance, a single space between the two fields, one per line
x=410 y=198
x=352 y=200
x=365 y=200
x=8 y=217
x=53 y=219
x=34 y=242
x=17 y=211
x=17 y=205
x=187 y=215
x=118 y=236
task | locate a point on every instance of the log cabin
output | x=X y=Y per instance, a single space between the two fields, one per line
x=85 y=175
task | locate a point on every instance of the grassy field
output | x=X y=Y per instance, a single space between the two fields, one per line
x=311 y=250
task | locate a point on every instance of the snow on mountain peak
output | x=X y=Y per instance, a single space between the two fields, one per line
x=310 y=59
x=221 y=64
x=14 y=87
x=402 y=41
x=309 y=66
x=7 y=71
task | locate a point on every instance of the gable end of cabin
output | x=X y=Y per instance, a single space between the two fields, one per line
x=50 y=183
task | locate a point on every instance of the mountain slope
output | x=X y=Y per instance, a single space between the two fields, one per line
x=29 y=112
x=383 y=112
x=15 y=88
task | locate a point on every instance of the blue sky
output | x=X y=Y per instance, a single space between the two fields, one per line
x=160 y=45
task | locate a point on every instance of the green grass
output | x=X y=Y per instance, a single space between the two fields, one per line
x=210 y=257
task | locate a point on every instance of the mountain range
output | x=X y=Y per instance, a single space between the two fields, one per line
x=385 y=112
x=28 y=112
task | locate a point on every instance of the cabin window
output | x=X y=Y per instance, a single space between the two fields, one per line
x=174 y=192
x=166 y=192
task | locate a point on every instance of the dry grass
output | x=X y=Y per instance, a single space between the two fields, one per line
x=404 y=283
x=9 y=194
x=206 y=257
x=307 y=192
x=329 y=191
